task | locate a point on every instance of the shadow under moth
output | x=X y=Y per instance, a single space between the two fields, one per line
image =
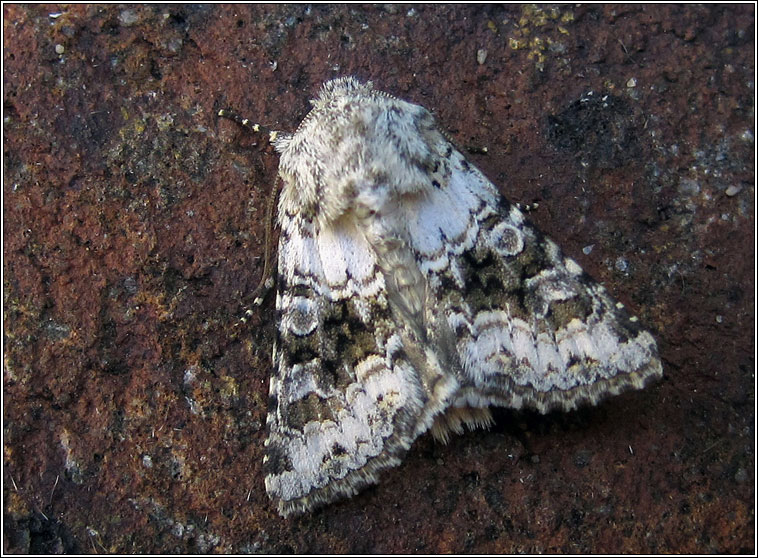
x=412 y=296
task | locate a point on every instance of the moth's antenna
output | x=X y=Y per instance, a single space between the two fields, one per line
x=267 y=280
x=245 y=123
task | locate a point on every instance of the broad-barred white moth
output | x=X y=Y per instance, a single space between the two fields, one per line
x=411 y=296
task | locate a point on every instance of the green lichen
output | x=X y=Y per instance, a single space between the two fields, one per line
x=538 y=31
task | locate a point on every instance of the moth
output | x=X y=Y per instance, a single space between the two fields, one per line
x=412 y=296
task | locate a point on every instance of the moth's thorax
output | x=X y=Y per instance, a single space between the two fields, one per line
x=358 y=150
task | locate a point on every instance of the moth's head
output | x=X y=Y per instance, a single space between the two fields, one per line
x=357 y=146
x=346 y=86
